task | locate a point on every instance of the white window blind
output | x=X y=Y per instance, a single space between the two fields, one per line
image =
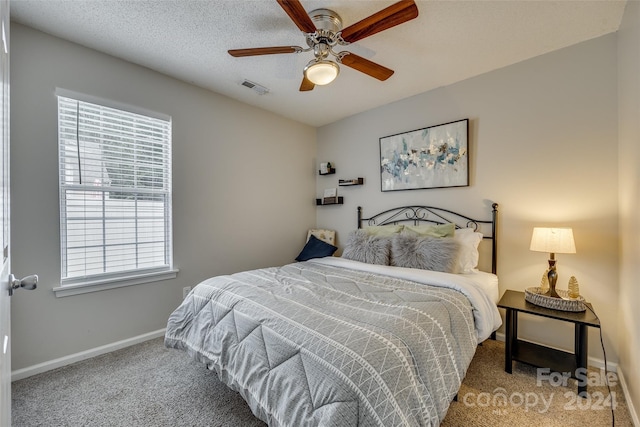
x=115 y=192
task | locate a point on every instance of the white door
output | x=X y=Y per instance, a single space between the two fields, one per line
x=5 y=313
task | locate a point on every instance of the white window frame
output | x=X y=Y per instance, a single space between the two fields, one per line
x=109 y=280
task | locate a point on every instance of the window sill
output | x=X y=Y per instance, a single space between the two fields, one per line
x=102 y=285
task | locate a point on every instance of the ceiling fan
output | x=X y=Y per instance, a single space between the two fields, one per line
x=323 y=31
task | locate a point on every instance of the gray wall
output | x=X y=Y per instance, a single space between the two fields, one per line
x=543 y=144
x=629 y=160
x=243 y=182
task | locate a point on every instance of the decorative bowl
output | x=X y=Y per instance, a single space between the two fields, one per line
x=565 y=303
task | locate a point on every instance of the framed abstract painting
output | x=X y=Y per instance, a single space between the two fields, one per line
x=431 y=157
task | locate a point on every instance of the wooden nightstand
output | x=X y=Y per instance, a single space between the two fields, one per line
x=539 y=355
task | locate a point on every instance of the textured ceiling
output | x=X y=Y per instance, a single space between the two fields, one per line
x=448 y=42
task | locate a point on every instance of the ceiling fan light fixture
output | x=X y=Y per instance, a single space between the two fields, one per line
x=321 y=72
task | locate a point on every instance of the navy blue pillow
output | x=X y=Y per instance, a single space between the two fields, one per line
x=316 y=248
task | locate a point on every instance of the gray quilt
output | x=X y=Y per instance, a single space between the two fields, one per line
x=310 y=344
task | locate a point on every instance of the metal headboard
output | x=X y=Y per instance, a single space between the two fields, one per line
x=432 y=215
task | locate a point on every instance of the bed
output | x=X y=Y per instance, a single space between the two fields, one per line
x=346 y=341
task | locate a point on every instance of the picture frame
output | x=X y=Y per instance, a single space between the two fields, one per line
x=330 y=196
x=431 y=157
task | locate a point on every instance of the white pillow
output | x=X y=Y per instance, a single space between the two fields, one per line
x=327 y=236
x=469 y=240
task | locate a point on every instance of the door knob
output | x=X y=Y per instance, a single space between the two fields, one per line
x=29 y=283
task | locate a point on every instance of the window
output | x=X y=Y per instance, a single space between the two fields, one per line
x=115 y=196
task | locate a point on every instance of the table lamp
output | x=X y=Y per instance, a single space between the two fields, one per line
x=553 y=241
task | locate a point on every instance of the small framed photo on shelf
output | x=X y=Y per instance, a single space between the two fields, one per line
x=326 y=168
x=330 y=196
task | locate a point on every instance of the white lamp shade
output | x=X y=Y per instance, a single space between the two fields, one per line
x=321 y=72
x=553 y=240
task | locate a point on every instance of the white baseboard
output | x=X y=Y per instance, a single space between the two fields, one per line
x=83 y=355
x=632 y=409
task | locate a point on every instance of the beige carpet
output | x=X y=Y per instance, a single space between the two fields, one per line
x=481 y=403
x=148 y=385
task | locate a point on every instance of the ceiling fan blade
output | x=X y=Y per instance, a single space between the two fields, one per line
x=306 y=84
x=391 y=16
x=365 y=66
x=264 y=51
x=298 y=15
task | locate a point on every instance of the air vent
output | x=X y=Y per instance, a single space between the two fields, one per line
x=255 y=86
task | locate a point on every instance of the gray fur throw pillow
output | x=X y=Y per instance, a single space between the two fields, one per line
x=362 y=246
x=426 y=253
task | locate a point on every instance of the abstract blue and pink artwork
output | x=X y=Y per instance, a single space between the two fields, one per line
x=432 y=157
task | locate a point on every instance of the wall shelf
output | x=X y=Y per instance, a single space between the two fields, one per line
x=339 y=202
x=348 y=182
x=330 y=171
